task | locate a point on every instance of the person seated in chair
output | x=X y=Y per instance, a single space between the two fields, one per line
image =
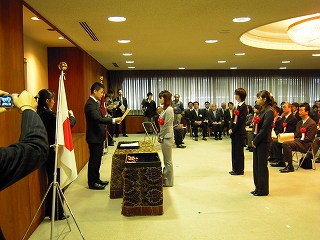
x=198 y=119
x=287 y=124
x=214 y=121
x=303 y=137
x=187 y=114
x=179 y=134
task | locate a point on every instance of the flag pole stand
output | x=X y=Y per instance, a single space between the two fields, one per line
x=55 y=185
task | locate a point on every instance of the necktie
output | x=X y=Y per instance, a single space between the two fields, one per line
x=197 y=112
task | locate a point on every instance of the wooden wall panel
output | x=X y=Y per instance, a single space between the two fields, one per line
x=134 y=124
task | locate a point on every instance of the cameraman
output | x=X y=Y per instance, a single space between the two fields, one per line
x=20 y=159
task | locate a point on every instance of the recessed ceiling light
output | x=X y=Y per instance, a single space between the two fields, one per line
x=123 y=41
x=35 y=18
x=233 y=67
x=241 y=19
x=211 y=41
x=60 y=38
x=127 y=54
x=316 y=55
x=131 y=67
x=116 y=19
x=181 y=68
x=240 y=54
x=286 y=61
x=222 y=61
x=283 y=68
x=129 y=61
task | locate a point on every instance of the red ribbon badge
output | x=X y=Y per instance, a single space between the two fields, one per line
x=273 y=125
x=303 y=133
x=256 y=120
x=284 y=125
x=161 y=121
x=236 y=114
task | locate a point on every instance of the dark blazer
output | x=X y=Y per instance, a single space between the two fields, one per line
x=227 y=116
x=96 y=122
x=264 y=127
x=311 y=130
x=123 y=101
x=202 y=115
x=240 y=127
x=18 y=160
x=150 y=108
x=187 y=115
x=212 y=118
x=291 y=124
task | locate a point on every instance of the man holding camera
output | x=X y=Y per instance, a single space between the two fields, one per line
x=20 y=159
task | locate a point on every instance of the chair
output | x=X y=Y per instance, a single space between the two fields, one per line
x=304 y=155
x=150 y=131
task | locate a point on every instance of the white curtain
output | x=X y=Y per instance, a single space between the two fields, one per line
x=217 y=87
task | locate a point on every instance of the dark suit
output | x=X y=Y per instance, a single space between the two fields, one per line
x=215 y=117
x=276 y=148
x=118 y=113
x=260 y=153
x=227 y=118
x=20 y=159
x=48 y=118
x=95 y=136
x=297 y=144
x=238 y=138
x=201 y=116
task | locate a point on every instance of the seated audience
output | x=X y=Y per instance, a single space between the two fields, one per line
x=214 y=122
x=198 y=119
x=303 y=137
x=287 y=124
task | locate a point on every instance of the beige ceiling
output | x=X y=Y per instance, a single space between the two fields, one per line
x=168 y=34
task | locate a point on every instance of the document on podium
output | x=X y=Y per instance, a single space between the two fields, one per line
x=124 y=115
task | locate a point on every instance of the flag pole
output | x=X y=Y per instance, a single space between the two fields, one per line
x=55 y=185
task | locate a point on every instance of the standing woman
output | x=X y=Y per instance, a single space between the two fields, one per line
x=166 y=136
x=261 y=144
x=48 y=117
x=238 y=132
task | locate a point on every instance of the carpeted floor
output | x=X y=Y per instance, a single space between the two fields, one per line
x=205 y=202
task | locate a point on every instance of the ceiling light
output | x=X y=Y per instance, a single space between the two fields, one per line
x=211 y=41
x=127 y=54
x=35 y=18
x=316 y=55
x=286 y=61
x=283 y=68
x=233 y=67
x=222 y=61
x=306 y=32
x=131 y=67
x=239 y=54
x=60 y=38
x=117 y=19
x=181 y=68
x=129 y=61
x=241 y=19
x=124 y=41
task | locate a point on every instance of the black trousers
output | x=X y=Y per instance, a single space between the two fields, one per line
x=111 y=129
x=203 y=126
x=179 y=134
x=276 y=150
x=237 y=144
x=260 y=168
x=216 y=129
x=124 y=128
x=50 y=171
x=96 y=152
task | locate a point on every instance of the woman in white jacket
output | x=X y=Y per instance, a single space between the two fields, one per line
x=166 y=136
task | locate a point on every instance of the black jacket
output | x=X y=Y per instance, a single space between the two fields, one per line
x=96 y=122
x=123 y=100
x=264 y=127
x=239 y=128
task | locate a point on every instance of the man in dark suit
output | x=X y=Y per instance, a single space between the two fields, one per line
x=287 y=124
x=302 y=141
x=199 y=119
x=214 y=122
x=20 y=159
x=96 y=135
x=122 y=107
x=228 y=115
x=187 y=115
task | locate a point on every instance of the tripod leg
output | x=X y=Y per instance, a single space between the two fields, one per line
x=74 y=218
x=61 y=201
x=34 y=217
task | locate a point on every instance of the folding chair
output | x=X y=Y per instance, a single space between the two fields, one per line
x=150 y=130
x=304 y=155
